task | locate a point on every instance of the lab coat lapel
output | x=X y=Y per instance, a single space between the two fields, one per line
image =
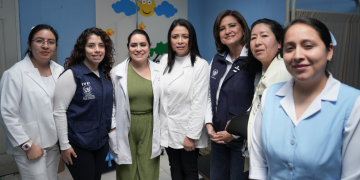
x=122 y=79
x=54 y=71
x=186 y=64
x=154 y=71
x=33 y=73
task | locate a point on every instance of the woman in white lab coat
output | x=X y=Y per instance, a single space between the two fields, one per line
x=184 y=91
x=136 y=86
x=27 y=97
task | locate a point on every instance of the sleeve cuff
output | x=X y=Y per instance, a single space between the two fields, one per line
x=65 y=146
x=193 y=137
x=258 y=173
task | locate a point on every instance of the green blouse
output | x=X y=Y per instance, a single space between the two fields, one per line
x=140 y=92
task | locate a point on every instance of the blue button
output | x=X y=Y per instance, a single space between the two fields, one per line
x=292 y=142
x=289 y=166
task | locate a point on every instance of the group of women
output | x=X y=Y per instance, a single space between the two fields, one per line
x=303 y=123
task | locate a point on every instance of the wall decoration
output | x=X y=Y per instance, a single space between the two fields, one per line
x=119 y=18
x=110 y=32
x=141 y=26
x=160 y=49
x=146 y=7
x=166 y=9
x=125 y=6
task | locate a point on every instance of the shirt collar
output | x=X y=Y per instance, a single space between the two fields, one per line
x=329 y=93
x=227 y=57
x=86 y=69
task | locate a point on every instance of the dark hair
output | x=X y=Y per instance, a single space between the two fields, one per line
x=78 y=53
x=138 y=31
x=220 y=47
x=251 y=63
x=36 y=29
x=319 y=27
x=193 y=46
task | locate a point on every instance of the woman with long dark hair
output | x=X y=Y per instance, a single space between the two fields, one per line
x=184 y=91
x=27 y=99
x=84 y=104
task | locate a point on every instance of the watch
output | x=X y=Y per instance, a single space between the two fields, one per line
x=26 y=146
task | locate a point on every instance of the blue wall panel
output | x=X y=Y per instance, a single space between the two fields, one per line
x=202 y=14
x=68 y=17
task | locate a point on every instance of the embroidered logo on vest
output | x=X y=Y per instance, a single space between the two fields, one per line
x=87 y=89
x=214 y=73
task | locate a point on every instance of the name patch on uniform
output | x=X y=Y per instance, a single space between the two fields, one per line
x=87 y=91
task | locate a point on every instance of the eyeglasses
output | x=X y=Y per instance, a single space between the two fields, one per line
x=40 y=42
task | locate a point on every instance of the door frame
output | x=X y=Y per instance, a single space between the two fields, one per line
x=17 y=12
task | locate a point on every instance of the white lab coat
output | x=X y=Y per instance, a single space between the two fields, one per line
x=25 y=106
x=123 y=117
x=183 y=114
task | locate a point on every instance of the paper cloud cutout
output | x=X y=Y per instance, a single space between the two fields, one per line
x=165 y=8
x=126 y=6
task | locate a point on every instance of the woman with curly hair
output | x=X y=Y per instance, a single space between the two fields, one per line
x=84 y=104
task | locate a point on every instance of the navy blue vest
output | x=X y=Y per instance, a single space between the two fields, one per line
x=236 y=92
x=89 y=113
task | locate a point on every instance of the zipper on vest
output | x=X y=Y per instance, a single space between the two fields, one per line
x=102 y=99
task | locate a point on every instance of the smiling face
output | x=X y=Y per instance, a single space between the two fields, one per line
x=42 y=51
x=138 y=48
x=231 y=31
x=305 y=54
x=146 y=7
x=94 y=50
x=180 y=41
x=263 y=44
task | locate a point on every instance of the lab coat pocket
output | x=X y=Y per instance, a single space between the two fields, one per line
x=32 y=130
x=84 y=133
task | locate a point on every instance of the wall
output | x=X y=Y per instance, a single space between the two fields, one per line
x=118 y=18
x=68 y=17
x=202 y=14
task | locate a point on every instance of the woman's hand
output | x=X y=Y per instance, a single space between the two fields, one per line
x=112 y=130
x=189 y=144
x=227 y=124
x=213 y=135
x=226 y=137
x=34 y=152
x=66 y=155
